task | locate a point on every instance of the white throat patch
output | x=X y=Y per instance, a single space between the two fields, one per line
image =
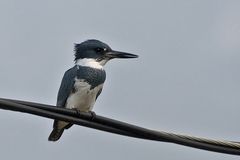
x=89 y=62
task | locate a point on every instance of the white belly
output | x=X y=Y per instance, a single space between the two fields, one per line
x=84 y=97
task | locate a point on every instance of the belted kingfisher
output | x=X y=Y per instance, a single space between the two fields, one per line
x=82 y=84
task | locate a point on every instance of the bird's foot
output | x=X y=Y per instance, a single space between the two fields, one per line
x=77 y=111
x=93 y=114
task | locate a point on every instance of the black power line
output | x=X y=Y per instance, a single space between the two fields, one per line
x=118 y=127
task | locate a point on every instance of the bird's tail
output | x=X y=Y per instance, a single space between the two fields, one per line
x=55 y=134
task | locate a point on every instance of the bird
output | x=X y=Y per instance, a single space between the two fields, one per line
x=83 y=83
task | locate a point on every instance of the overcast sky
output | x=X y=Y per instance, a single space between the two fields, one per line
x=186 y=80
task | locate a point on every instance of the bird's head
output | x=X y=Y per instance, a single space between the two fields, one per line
x=95 y=53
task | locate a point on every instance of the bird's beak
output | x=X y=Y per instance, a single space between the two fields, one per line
x=118 y=54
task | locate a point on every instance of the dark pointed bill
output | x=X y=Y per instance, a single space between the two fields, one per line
x=118 y=54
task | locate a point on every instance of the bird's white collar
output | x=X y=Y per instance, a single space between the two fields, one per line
x=89 y=62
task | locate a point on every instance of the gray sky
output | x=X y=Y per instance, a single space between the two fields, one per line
x=186 y=80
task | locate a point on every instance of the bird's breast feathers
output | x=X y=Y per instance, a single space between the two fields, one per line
x=83 y=95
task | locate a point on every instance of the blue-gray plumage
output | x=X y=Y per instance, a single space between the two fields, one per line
x=92 y=76
x=82 y=84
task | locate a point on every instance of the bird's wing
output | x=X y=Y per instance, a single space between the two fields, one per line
x=99 y=92
x=66 y=87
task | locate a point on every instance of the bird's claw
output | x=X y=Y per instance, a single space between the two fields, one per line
x=93 y=115
x=78 y=112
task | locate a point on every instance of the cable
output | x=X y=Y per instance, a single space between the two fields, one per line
x=118 y=127
x=8 y=105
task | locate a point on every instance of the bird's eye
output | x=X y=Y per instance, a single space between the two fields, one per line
x=99 y=50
